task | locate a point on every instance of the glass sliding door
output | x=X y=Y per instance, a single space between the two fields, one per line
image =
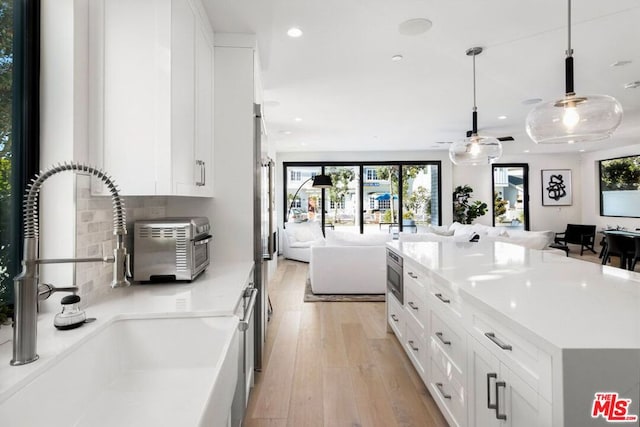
x=302 y=200
x=342 y=200
x=420 y=197
x=366 y=197
x=380 y=197
x=511 y=196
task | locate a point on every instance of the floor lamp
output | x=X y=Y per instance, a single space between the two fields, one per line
x=319 y=181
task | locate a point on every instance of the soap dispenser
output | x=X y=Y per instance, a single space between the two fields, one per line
x=71 y=315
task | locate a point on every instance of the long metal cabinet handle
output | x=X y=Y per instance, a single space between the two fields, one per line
x=244 y=322
x=489 y=404
x=410 y=342
x=441 y=338
x=498 y=414
x=497 y=342
x=441 y=390
x=412 y=305
x=413 y=276
x=204 y=173
x=443 y=299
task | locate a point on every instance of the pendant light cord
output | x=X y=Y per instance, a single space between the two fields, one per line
x=474 y=130
x=569 y=50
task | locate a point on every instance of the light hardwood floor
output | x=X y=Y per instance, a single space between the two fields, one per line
x=333 y=364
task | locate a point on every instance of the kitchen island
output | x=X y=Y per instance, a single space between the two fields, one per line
x=147 y=311
x=504 y=335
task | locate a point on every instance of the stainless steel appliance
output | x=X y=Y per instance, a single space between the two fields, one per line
x=263 y=231
x=171 y=248
x=394 y=275
x=246 y=328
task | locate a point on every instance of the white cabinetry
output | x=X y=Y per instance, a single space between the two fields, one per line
x=499 y=397
x=151 y=96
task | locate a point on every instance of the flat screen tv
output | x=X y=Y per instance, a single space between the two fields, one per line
x=620 y=187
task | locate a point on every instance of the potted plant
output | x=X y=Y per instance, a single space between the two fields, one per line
x=408 y=218
x=464 y=211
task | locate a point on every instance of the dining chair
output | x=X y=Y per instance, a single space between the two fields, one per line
x=636 y=254
x=621 y=246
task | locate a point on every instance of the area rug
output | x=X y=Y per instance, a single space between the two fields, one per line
x=311 y=297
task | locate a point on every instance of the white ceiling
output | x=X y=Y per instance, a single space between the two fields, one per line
x=340 y=80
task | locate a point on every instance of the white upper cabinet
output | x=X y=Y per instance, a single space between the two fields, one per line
x=151 y=96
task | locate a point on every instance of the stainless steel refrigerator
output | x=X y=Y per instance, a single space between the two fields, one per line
x=264 y=231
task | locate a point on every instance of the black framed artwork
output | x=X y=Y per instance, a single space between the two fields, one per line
x=556 y=187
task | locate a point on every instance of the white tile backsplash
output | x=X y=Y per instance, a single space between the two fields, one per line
x=94 y=235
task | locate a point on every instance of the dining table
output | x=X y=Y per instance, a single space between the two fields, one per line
x=630 y=254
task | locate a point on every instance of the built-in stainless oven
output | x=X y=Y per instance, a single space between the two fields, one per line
x=394 y=275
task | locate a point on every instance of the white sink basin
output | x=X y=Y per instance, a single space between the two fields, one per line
x=141 y=372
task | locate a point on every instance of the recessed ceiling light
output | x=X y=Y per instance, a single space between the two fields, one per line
x=294 y=32
x=527 y=151
x=632 y=85
x=502 y=117
x=396 y=58
x=582 y=151
x=621 y=63
x=531 y=101
x=415 y=27
x=286 y=132
x=298 y=119
x=571 y=141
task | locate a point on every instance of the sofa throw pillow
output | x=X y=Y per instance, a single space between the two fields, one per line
x=440 y=230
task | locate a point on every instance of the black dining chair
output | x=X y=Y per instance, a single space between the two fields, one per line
x=621 y=246
x=636 y=254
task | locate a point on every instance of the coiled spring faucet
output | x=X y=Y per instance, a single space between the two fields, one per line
x=26 y=283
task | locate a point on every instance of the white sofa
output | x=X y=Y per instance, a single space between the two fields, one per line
x=464 y=232
x=298 y=238
x=349 y=264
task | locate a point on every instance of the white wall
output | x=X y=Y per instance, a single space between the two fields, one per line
x=591 y=187
x=63 y=134
x=541 y=217
x=372 y=156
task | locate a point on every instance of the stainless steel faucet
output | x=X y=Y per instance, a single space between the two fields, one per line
x=26 y=283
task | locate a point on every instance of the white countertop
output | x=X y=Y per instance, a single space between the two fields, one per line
x=566 y=302
x=216 y=292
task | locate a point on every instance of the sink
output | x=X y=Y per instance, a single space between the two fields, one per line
x=136 y=372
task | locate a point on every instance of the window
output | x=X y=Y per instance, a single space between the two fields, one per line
x=371 y=174
x=296 y=203
x=7 y=259
x=365 y=195
x=19 y=144
x=620 y=187
x=296 y=175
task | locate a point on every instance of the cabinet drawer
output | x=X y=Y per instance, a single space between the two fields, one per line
x=415 y=306
x=413 y=275
x=395 y=316
x=451 y=339
x=415 y=347
x=527 y=360
x=445 y=299
x=449 y=394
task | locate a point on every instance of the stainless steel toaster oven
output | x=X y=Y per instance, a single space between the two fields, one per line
x=171 y=249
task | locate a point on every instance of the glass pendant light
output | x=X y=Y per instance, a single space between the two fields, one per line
x=574 y=118
x=475 y=149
